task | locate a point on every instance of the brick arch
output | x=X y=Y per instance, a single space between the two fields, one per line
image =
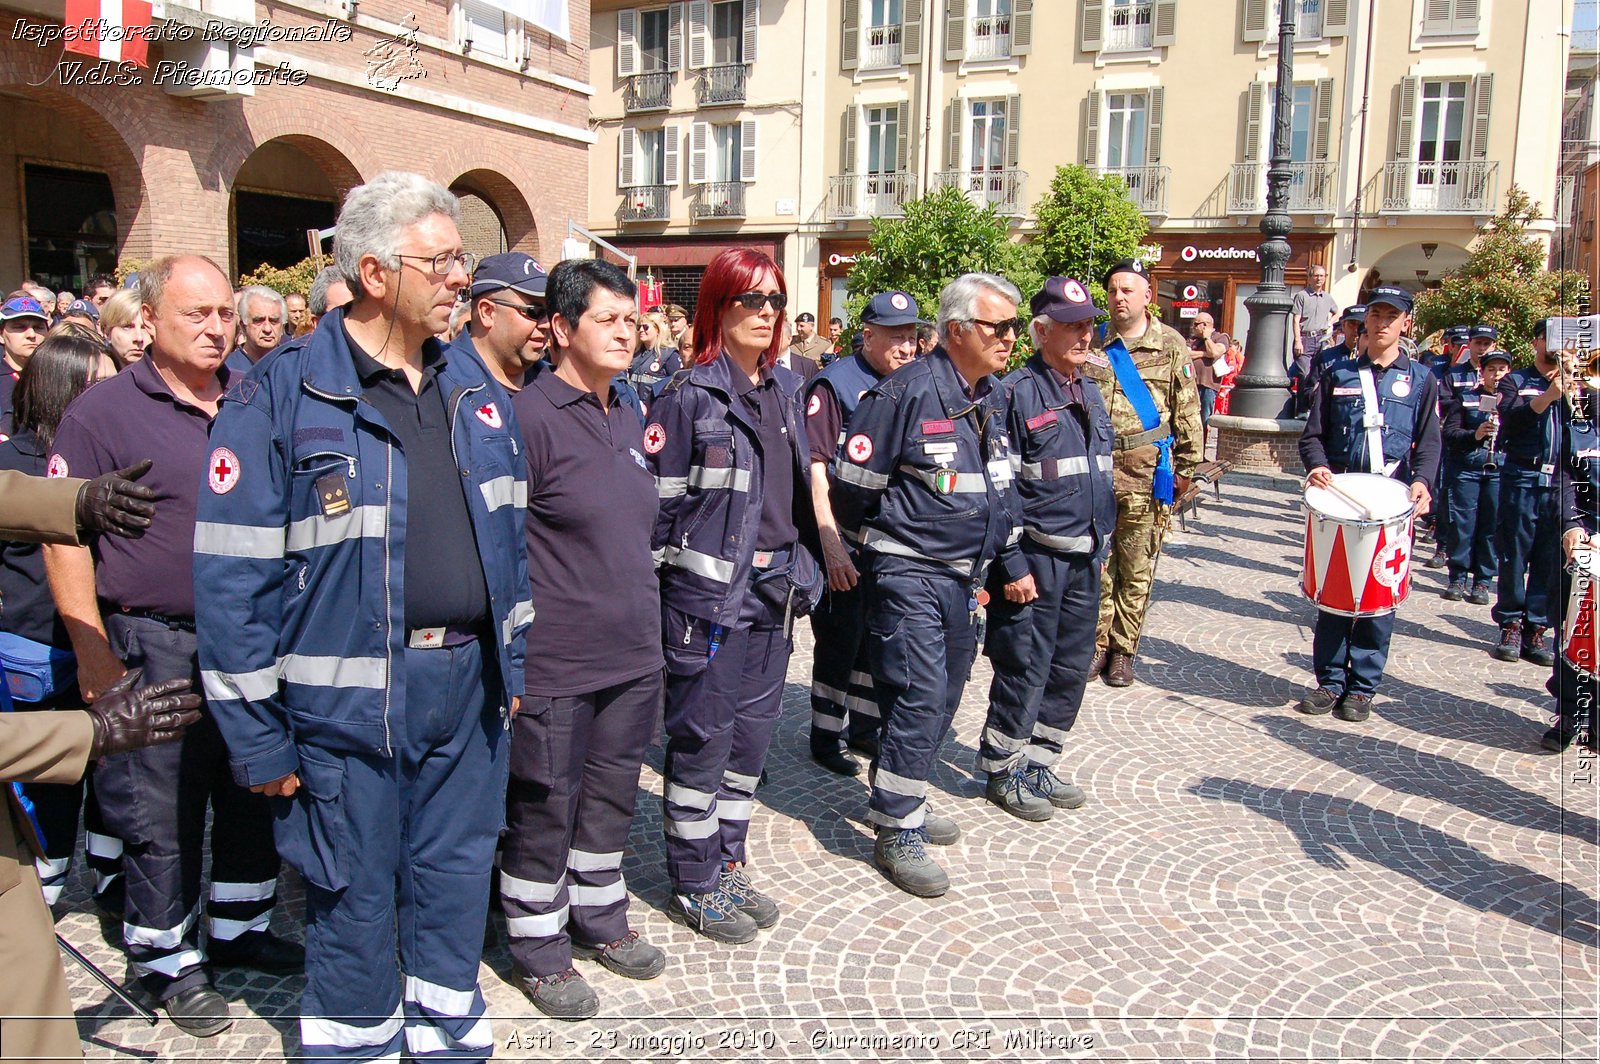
x=316 y=131
x=522 y=231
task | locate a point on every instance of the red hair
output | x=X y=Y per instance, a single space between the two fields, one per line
x=730 y=273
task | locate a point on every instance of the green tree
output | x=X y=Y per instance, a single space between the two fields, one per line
x=1086 y=224
x=1505 y=282
x=289 y=279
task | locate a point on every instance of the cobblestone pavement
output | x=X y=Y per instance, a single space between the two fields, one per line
x=1246 y=882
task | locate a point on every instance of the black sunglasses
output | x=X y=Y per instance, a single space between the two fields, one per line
x=531 y=311
x=1010 y=325
x=754 y=300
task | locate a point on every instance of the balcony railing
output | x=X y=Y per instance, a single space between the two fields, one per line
x=990 y=38
x=1130 y=27
x=1312 y=187
x=880 y=47
x=1147 y=185
x=870 y=195
x=1307 y=20
x=720 y=199
x=721 y=84
x=1441 y=188
x=1002 y=188
x=648 y=92
x=646 y=203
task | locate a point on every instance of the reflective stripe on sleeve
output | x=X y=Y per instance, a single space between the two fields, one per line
x=237 y=541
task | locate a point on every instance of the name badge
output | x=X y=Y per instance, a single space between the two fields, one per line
x=1346 y=391
x=1548 y=469
x=938 y=428
x=1041 y=420
x=941 y=448
x=1000 y=472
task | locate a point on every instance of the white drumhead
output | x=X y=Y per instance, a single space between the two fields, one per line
x=1386 y=497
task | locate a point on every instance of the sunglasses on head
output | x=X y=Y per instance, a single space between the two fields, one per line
x=754 y=300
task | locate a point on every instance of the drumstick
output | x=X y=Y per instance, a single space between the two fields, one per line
x=1350 y=500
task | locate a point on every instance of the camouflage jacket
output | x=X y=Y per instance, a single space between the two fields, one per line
x=1162 y=358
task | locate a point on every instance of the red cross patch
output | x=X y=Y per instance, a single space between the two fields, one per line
x=655 y=438
x=57 y=466
x=859 y=448
x=489 y=415
x=814 y=405
x=222 y=471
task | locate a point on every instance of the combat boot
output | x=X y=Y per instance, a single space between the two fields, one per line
x=1510 y=646
x=900 y=855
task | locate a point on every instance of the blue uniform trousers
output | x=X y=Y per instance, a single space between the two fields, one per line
x=1576 y=695
x=396 y=853
x=1040 y=652
x=155 y=800
x=921 y=639
x=1528 y=542
x=1349 y=653
x=722 y=708
x=574 y=775
x=842 y=703
x=1474 y=509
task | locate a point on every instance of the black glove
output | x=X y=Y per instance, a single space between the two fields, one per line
x=125 y=719
x=114 y=503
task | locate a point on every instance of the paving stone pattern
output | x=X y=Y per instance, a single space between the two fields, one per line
x=1246 y=882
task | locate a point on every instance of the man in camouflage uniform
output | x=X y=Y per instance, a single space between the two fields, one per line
x=1161 y=357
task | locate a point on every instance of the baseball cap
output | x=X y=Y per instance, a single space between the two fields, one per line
x=1456 y=334
x=510 y=269
x=1495 y=356
x=1355 y=312
x=805 y=315
x=890 y=308
x=1389 y=295
x=83 y=307
x=1485 y=332
x=22 y=307
x=1065 y=300
x=1126 y=266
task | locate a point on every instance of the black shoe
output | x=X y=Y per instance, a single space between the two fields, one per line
x=562 y=996
x=733 y=882
x=629 y=956
x=1318 y=702
x=1536 y=648
x=1354 y=708
x=1510 y=641
x=1456 y=591
x=837 y=762
x=199 y=1011
x=268 y=953
x=1479 y=595
x=867 y=747
x=1558 y=739
x=1438 y=561
x=714 y=915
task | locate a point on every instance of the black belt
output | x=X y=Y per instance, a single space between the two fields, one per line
x=1523 y=463
x=178 y=624
x=445 y=636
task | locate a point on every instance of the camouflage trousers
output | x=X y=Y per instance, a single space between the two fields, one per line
x=1130 y=571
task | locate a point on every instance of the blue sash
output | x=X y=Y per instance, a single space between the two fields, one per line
x=1138 y=393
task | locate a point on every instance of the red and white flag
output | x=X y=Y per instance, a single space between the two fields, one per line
x=115 y=30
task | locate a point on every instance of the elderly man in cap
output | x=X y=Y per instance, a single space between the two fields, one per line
x=841 y=686
x=806 y=342
x=1142 y=367
x=1044 y=590
x=23 y=325
x=506 y=330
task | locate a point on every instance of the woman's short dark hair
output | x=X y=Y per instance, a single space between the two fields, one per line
x=570 y=286
x=60 y=369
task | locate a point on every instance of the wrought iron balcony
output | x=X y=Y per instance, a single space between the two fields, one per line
x=1441 y=188
x=646 y=203
x=1313 y=187
x=721 y=84
x=880 y=47
x=719 y=199
x=648 y=92
x=870 y=195
x=1130 y=30
x=1001 y=188
x=1147 y=185
x=989 y=37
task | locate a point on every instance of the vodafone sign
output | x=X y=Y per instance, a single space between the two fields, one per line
x=1190 y=253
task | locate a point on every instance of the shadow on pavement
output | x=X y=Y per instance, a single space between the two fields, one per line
x=1213 y=555
x=1330 y=828
x=1173 y=667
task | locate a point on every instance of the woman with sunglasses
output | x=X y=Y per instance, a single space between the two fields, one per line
x=724 y=444
x=656 y=358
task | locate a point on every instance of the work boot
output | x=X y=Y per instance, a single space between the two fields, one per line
x=1535 y=648
x=1456 y=591
x=1097 y=664
x=714 y=915
x=1063 y=794
x=1510 y=645
x=1354 y=708
x=1479 y=595
x=939 y=830
x=1318 y=702
x=1119 y=672
x=900 y=855
x=733 y=882
x=1010 y=791
x=629 y=956
x=1439 y=560
x=562 y=996
x=199 y=1011
x=836 y=761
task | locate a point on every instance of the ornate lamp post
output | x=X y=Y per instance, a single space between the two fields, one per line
x=1263 y=384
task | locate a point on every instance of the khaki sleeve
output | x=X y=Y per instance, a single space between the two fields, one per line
x=38 y=510
x=44 y=747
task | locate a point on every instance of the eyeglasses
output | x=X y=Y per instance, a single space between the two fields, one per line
x=531 y=311
x=754 y=300
x=442 y=262
x=1013 y=326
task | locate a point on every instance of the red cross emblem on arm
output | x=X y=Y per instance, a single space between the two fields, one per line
x=222 y=469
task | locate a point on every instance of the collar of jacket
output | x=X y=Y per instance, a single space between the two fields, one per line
x=947 y=381
x=717 y=376
x=1049 y=387
x=330 y=366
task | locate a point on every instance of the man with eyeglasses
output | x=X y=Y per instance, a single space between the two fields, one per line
x=508 y=317
x=361 y=543
x=130 y=604
x=262 y=314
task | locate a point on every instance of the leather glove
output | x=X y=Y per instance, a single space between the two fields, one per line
x=114 y=503
x=125 y=719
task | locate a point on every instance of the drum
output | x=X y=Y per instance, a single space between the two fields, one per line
x=1580 y=635
x=1358 y=564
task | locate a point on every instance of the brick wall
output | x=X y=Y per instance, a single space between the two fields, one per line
x=1255 y=452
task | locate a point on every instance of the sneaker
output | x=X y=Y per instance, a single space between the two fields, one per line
x=1510 y=645
x=1010 y=791
x=199 y=1011
x=899 y=853
x=939 y=830
x=1479 y=596
x=1354 y=708
x=1456 y=591
x=1318 y=702
x=746 y=898
x=629 y=956
x=714 y=915
x=1439 y=560
x=1535 y=648
x=562 y=996
x=1063 y=794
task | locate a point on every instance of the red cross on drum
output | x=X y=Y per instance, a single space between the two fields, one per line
x=1358 y=545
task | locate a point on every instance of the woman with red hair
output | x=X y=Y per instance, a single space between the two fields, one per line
x=724 y=444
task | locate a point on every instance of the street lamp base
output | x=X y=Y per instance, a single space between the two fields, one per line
x=1260 y=445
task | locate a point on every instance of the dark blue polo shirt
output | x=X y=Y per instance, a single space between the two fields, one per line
x=123 y=420
x=592 y=506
